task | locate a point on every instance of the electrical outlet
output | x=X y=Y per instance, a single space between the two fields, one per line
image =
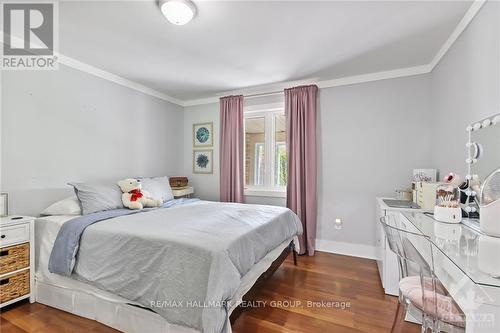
x=338 y=223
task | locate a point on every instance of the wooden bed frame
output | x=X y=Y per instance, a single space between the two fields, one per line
x=250 y=295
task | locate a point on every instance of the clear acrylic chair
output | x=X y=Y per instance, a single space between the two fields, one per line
x=420 y=291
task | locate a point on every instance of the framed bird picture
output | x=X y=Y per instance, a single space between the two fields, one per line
x=203 y=135
x=202 y=161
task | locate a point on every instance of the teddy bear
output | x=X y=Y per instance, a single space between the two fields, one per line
x=134 y=197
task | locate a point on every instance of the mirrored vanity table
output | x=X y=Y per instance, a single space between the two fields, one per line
x=466 y=255
x=456 y=255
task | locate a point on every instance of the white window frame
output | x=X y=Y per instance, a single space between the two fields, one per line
x=268 y=112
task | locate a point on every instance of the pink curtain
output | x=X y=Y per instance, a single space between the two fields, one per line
x=300 y=111
x=231 y=149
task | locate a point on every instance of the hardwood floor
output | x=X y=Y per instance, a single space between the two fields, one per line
x=324 y=277
x=283 y=303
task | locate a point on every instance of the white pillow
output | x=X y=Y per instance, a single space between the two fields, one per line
x=68 y=206
x=158 y=188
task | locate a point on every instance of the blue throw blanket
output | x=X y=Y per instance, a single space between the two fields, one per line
x=65 y=250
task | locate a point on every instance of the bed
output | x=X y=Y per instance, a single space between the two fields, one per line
x=138 y=272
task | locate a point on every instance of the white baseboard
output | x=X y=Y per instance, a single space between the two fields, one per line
x=348 y=249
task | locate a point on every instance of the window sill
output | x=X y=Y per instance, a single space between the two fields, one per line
x=265 y=193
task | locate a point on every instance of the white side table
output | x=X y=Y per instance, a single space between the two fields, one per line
x=186 y=192
x=17 y=259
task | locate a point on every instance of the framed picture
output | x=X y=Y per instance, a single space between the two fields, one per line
x=202 y=161
x=203 y=135
x=4 y=204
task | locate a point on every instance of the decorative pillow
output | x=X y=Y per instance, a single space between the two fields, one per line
x=98 y=197
x=158 y=187
x=68 y=206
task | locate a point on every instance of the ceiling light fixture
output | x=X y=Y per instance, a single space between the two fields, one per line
x=178 y=12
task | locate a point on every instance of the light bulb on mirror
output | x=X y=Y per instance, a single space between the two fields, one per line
x=486 y=123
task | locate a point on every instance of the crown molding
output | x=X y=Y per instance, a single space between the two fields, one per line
x=200 y=101
x=364 y=78
x=345 y=81
x=84 y=67
x=459 y=29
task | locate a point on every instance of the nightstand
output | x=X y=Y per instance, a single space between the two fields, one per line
x=186 y=192
x=17 y=259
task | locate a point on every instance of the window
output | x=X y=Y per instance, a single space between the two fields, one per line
x=280 y=165
x=265 y=152
x=259 y=164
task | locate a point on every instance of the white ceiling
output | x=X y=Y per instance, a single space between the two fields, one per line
x=237 y=44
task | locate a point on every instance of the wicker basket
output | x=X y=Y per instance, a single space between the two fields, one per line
x=14 y=257
x=14 y=286
x=178 y=182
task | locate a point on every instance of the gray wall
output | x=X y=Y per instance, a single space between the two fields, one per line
x=371 y=136
x=66 y=125
x=466 y=87
x=206 y=185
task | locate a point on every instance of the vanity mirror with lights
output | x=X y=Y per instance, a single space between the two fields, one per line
x=483 y=158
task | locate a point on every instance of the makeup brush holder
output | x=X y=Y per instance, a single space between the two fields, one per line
x=489 y=248
x=447 y=207
x=489 y=219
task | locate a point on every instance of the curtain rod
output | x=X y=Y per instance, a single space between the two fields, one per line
x=272 y=93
